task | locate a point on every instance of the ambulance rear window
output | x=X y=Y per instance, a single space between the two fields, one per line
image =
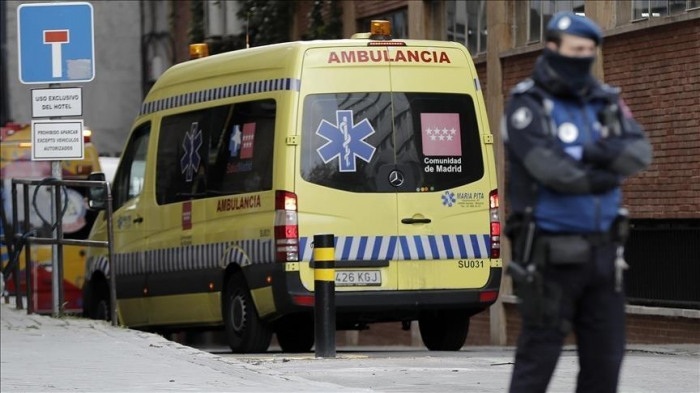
x=437 y=140
x=353 y=141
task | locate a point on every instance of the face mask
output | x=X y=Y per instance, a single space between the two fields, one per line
x=573 y=71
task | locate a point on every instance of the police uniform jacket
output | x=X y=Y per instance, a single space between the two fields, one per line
x=569 y=151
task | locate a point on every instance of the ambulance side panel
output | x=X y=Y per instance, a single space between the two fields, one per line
x=215 y=209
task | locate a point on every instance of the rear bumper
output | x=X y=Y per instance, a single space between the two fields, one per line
x=380 y=306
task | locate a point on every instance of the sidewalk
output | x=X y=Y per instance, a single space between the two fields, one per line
x=39 y=353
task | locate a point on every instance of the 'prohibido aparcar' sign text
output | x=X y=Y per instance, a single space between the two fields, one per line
x=54 y=140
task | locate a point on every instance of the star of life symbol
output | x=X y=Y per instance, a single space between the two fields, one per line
x=448 y=199
x=241 y=142
x=346 y=141
x=234 y=145
x=189 y=164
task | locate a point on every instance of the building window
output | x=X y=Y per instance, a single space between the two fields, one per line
x=541 y=11
x=398 y=19
x=466 y=24
x=645 y=9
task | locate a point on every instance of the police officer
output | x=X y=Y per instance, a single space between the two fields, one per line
x=570 y=142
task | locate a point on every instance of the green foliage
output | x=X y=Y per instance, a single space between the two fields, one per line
x=318 y=28
x=196 y=31
x=269 y=21
x=334 y=29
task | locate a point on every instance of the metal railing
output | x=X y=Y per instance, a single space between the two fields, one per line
x=664 y=259
x=57 y=241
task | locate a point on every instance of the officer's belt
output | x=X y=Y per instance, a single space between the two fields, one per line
x=595 y=238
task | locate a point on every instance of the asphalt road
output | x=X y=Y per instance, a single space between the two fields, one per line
x=474 y=369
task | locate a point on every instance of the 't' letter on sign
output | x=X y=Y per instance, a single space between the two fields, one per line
x=56 y=38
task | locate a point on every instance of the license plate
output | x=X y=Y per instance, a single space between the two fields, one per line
x=349 y=278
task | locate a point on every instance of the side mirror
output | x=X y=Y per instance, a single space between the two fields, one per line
x=97 y=199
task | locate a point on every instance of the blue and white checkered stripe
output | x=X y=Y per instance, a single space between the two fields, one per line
x=99 y=264
x=195 y=257
x=368 y=248
x=221 y=92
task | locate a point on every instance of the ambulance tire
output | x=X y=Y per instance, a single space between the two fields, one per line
x=295 y=333
x=245 y=331
x=444 y=330
x=99 y=302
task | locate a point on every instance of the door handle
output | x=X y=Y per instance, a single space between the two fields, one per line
x=138 y=220
x=416 y=221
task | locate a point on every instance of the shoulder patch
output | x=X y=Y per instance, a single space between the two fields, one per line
x=521 y=118
x=523 y=86
x=610 y=89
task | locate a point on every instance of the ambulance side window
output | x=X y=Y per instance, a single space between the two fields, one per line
x=241 y=150
x=129 y=179
x=182 y=152
x=216 y=151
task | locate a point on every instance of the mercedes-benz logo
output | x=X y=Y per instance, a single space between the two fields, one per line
x=396 y=178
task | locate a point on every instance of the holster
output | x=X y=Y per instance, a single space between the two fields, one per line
x=540 y=303
x=563 y=249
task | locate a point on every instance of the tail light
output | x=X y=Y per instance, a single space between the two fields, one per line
x=488 y=296
x=495 y=225
x=87 y=135
x=286 y=227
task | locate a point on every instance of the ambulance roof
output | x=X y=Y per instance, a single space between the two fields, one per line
x=278 y=57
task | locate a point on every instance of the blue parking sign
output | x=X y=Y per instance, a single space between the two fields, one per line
x=55 y=43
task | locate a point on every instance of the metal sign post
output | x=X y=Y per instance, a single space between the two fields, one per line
x=56 y=279
x=56 y=44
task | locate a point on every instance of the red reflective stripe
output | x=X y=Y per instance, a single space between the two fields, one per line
x=488 y=296
x=303 y=300
x=56 y=36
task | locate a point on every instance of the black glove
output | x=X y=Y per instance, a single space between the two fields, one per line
x=602 y=181
x=603 y=151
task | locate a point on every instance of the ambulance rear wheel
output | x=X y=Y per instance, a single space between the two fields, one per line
x=245 y=331
x=444 y=330
x=99 y=302
x=295 y=333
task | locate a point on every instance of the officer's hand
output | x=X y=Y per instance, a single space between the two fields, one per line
x=603 y=151
x=602 y=181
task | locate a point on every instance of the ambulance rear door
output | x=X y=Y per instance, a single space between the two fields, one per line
x=346 y=155
x=443 y=211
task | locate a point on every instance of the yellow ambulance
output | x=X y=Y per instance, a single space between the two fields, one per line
x=237 y=160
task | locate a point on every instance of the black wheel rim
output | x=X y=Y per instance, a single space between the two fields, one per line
x=238 y=309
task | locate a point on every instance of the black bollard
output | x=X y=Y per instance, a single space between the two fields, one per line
x=324 y=302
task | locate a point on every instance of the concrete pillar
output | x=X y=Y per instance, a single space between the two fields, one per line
x=416 y=20
x=349 y=19
x=416 y=340
x=603 y=13
x=500 y=39
x=352 y=338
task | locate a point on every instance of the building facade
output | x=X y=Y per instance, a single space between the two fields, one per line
x=652 y=51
